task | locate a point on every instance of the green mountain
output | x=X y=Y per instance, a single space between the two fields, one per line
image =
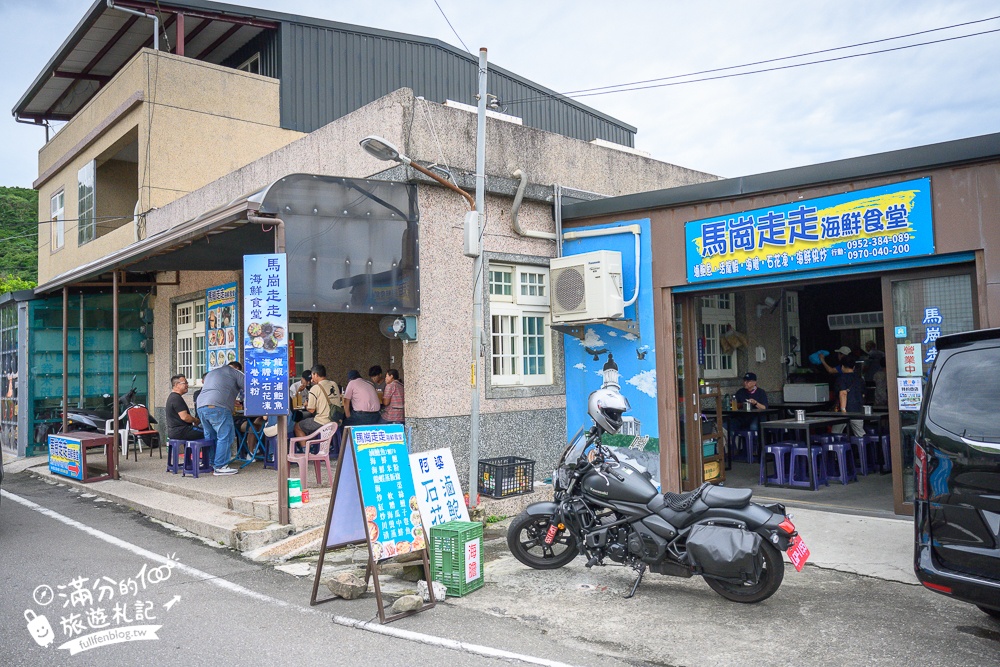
x=18 y=238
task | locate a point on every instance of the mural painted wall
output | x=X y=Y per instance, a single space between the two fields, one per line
x=608 y=354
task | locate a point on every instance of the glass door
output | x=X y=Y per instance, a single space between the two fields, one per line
x=301 y=334
x=925 y=306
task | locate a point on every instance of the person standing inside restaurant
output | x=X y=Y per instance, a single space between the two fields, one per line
x=850 y=392
x=361 y=404
x=834 y=363
x=378 y=381
x=393 y=398
x=318 y=406
x=222 y=388
x=755 y=397
x=181 y=424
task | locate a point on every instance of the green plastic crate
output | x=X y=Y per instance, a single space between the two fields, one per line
x=455 y=547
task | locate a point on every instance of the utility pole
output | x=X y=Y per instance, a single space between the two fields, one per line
x=477 y=285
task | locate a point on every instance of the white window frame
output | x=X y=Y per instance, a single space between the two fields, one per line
x=718 y=312
x=57 y=210
x=303 y=353
x=189 y=318
x=794 y=328
x=86 y=215
x=249 y=63
x=515 y=320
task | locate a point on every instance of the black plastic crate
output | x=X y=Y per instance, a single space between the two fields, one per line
x=506 y=476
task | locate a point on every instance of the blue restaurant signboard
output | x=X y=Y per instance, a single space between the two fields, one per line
x=878 y=224
x=265 y=336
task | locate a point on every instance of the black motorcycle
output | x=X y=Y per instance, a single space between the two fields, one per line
x=95 y=420
x=606 y=509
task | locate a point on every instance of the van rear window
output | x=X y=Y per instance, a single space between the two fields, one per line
x=965 y=399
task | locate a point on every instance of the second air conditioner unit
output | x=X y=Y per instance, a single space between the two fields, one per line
x=587 y=287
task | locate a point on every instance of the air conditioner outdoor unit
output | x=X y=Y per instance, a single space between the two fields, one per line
x=587 y=287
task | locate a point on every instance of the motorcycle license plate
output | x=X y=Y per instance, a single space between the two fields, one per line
x=798 y=553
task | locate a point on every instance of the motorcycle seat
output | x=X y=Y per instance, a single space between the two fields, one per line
x=722 y=496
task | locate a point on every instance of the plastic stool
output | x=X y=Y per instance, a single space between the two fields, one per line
x=839 y=457
x=198 y=457
x=173 y=454
x=780 y=452
x=749 y=440
x=800 y=462
x=867 y=453
x=271 y=452
x=886 y=455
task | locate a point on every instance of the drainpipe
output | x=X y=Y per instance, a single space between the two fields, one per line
x=282 y=457
x=635 y=230
x=156 y=24
x=517 y=206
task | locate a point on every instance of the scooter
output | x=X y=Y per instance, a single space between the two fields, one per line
x=87 y=419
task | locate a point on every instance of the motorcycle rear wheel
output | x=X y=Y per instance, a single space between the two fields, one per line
x=526 y=541
x=770 y=578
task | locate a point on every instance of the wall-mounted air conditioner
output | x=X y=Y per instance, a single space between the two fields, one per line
x=840 y=322
x=587 y=287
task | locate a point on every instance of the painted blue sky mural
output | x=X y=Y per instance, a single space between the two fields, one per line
x=633 y=354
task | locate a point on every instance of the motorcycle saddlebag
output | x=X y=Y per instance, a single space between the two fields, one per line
x=724 y=552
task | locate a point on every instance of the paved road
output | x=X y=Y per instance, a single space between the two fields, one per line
x=229 y=612
x=232 y=611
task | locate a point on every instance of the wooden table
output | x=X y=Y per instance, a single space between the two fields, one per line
x=68 y=455
x=805 y=427
x=877 y=417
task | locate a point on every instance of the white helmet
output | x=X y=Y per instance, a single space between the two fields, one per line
x=606 y=407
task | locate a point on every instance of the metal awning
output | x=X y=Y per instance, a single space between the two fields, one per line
x=107 y=38
x=214 y=241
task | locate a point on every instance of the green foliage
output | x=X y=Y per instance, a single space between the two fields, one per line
x=19 y=238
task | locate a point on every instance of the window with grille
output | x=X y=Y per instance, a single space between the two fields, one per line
x=86 y=203
x=520 y=342
x=57 y=207
x=190 y=318
x=718 y=316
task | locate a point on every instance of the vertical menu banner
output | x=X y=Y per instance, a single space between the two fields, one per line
x=221 y=322
x=265 y=337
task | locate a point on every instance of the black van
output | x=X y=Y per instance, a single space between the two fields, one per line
x=957 y=472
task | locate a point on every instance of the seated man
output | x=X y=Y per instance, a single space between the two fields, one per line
x=181 y=424
x=753 y=396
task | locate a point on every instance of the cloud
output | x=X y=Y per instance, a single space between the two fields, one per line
x=581 y=366
x=630 y=336
x=613 y=334
x=591 y=339
x=645 y=382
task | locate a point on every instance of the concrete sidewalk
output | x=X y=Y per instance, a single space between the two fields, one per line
x=240 y=511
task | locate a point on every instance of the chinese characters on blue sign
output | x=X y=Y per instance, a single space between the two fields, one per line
x=877 y=224
x=439 y=491
x=392 y=513
x=265 y=339
x=65 y=456
x=932 y=331
x=221 y=323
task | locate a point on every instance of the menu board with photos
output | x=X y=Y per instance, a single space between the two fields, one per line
x=265 y=339
x=221 y=323
x=392 y=514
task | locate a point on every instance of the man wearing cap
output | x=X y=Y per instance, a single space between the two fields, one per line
x=841 y=352
x=753 y=396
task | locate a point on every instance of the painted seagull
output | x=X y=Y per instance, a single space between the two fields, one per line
x=596 y=353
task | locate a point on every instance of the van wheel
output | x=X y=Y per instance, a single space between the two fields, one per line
x=995 y=613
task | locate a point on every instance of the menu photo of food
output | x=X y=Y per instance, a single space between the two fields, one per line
x=265 y=336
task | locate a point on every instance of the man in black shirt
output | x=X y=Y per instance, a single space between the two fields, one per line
x=181 y=425
x=752 y=395
x=850 y=391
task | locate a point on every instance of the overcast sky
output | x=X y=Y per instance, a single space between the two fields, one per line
x=730 y=127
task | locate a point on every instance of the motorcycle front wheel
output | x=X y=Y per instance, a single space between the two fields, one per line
x=770 y=578
x=526 y=540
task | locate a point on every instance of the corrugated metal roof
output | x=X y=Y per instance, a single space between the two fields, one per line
x=327 y=68
x=972 y=149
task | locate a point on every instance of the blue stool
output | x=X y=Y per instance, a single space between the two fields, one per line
x=839 y=459
x=271 y=452
x=799 y=467
x=173 y=456
x=198 y=457
x=866 y=448
x=780 y=453
x=749 y=441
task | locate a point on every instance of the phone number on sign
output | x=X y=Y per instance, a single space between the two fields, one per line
x=878 y=246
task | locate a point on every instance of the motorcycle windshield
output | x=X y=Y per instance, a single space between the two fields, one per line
x=573 y=452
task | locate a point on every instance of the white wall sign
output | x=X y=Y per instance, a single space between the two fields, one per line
x=909 y=360
x=910 y=393
x=439 y=491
